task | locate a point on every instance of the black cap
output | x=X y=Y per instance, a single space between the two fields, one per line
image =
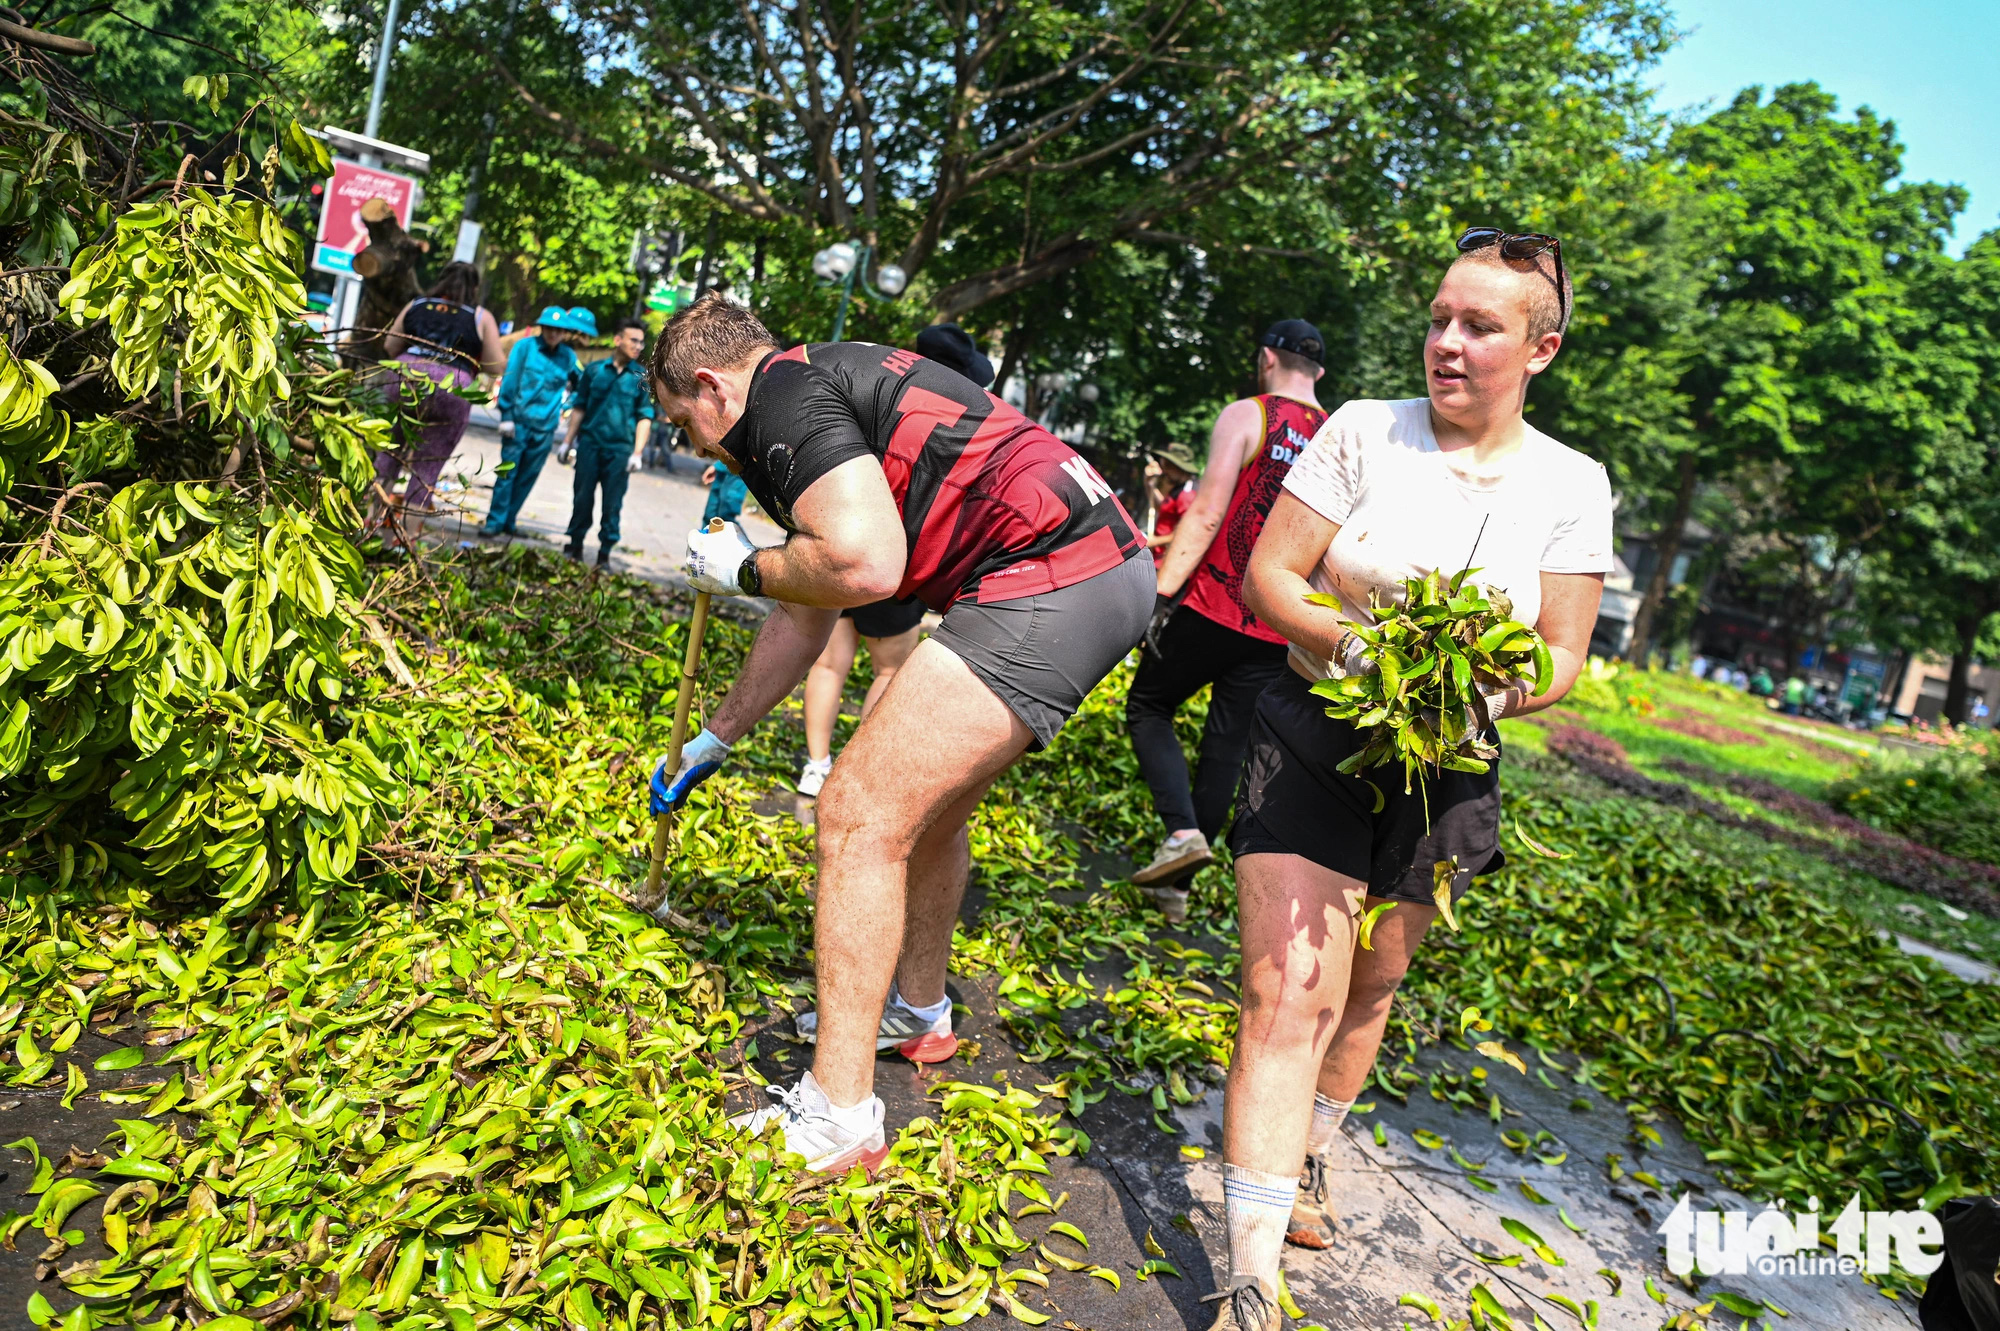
x=1296 y=336
x=953 y=347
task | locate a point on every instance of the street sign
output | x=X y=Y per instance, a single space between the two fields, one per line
x=667 y=298
x=467 y=249
x=342 y=234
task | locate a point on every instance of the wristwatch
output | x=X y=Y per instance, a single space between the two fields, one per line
x=747 y=578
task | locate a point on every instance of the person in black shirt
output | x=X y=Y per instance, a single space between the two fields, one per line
x=888 y=628
x=895 y=477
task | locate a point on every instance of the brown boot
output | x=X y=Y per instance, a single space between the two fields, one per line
x=1313 y=1216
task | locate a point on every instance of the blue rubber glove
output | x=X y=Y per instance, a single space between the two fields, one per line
x=701 y=757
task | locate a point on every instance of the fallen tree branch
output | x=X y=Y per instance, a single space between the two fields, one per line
x=47 y=41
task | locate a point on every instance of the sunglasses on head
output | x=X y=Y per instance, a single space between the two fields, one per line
x=1520 y=245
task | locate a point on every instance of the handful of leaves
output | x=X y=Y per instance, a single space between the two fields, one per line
x=1423 y=701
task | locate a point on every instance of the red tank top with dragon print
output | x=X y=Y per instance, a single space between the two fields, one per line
x=1289 y=426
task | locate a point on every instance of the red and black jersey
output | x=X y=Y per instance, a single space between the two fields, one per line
x=1217 y=593
x=993 y=505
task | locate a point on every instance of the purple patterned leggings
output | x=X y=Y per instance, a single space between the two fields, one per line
x=442 y=416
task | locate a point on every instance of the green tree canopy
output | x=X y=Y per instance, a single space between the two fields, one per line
x=990 y=147
x=1804 y=347
x=1934 y=583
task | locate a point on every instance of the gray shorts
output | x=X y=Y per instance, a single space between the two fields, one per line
x=1043 y=654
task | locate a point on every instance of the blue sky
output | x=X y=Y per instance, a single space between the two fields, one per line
x=1928 y=65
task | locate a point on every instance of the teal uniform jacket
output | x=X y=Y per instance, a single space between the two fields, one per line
x=537 y=383
x=611 y=402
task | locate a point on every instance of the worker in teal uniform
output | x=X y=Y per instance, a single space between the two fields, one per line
x=542 y=373
x=608 y=429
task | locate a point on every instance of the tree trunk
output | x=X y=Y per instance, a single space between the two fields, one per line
x=707 y=259
x=1957 y=693
x=388 y=271
x=1886 y=697
x=1015 y=357
x=1667 y=547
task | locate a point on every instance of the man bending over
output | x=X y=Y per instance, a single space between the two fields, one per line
x=894 y=477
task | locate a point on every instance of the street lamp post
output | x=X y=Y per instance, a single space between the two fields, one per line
x=843 y=264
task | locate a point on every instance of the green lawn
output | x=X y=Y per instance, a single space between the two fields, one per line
x=1803 y=756
x=1728 y=731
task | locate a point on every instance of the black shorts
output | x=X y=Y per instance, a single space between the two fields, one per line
x=1043 y=654
x=885 y=619
x=1294 y=802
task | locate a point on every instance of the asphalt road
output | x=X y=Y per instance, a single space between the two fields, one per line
x=661 y=507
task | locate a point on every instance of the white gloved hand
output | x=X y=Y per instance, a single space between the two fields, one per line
x=506 y=429
x=1498 y=702
x=1350 y=656
x=715 y=557
x=635 y=461
x=566 y=453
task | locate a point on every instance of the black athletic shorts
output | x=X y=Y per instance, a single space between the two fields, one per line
x=1043 y=654
x=885 y=619
x=1294 y=802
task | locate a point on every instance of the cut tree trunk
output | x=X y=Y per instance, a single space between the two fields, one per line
x=388 y=271
x=1667 y=548
x=1958 y=692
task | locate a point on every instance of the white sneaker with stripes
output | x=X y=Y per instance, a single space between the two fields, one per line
x=916 y=1037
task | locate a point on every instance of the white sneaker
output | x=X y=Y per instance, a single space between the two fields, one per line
x=1181 y=853
x=916 y=1037
x=809 y=1126
x=813 y=775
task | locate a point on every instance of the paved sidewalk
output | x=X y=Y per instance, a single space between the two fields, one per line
x=1415 y=1217
x=661 y=506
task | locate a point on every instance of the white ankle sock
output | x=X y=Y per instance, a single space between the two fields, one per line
x=1328 y=1115
x=1258 y=1209
x=852 y=1116
x=938 y=1009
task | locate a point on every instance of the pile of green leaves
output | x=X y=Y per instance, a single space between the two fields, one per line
x=1949 y=801
x=503 y=1093
x=1433 y=654
x=477 y=1089
x=501 y=1109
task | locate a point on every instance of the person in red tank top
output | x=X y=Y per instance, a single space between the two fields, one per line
x=1202 y=634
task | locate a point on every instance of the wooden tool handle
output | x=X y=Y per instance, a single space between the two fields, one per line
x=663 y=824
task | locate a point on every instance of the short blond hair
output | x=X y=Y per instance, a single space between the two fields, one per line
x=1549 y=307
x=714 y=333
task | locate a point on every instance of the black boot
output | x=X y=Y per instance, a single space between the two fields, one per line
x=604 y=555
x=574 y=550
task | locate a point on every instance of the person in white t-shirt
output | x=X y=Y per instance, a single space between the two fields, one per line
x=1385 y=490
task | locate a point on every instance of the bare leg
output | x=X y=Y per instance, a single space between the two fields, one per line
x=938 y=870
x=824 y=683
x=887 y=655
x=939 y=737
x=1298 y=943
x=1371 y=991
